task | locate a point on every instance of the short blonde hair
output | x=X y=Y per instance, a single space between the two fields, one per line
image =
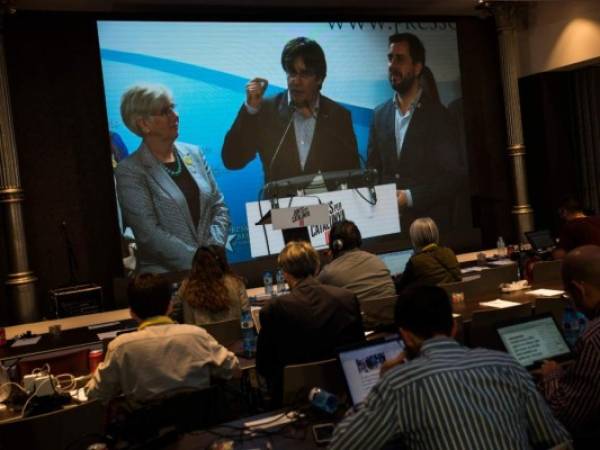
x=423 y=231
x=299 y=259
x=142 y=101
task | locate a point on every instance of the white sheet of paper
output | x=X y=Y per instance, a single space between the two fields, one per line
x=273 y=421
x=108 y=335
x=473 y=269
x=255 y=313
x=102 y=325
x=501 y=262
x=499 y=303
x=546 y=292
x=26 y=341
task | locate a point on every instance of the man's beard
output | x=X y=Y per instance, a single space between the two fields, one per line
x=404 y=85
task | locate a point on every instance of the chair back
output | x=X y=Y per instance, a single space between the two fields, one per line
x=226 y=332
x=299 y=379
x=459 y=322
x=162 y=419
x=378 y=312
x=492 y=278
x=553 y=305
x=482 y=329
x=73 y=427
x=471 y=287
x=546 y=271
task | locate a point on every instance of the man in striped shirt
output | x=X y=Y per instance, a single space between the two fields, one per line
x=574 y=394
x=441 y=395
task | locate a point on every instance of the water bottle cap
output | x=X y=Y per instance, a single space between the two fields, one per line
x=313 y=393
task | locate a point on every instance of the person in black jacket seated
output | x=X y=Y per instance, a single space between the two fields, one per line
x=431 y=264
x=298 y=131
x=307 y=324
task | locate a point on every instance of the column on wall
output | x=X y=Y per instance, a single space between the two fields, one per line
x=506 y=15
x=20 y=281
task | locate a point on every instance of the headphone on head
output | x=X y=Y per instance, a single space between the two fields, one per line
x=337 y=245
x=344 y=235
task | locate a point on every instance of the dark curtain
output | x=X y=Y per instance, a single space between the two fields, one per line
x=585 y=133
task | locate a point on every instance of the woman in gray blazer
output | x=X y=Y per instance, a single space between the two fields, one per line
x=166 y=190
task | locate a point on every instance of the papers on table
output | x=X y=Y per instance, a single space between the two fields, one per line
x=255 y=313
x=498 y=303
x=273 y=421
x=103 y=325
x=546 y=292
x=108 y=335
x=113 y=334
x=473 y=269
x=501 y=262
x=26 y=341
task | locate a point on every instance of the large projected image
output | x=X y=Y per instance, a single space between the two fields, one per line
x=241 y=120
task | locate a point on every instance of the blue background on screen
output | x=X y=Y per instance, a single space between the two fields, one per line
x=207 y=65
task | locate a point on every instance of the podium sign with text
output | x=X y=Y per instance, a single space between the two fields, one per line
x=372 y=220
x=299 y=216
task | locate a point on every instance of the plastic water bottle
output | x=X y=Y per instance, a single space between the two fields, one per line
x=248 y=334
x=325 y=401
x=501 y=247
x=573 y=324
x=268 y=281
x=280 y=281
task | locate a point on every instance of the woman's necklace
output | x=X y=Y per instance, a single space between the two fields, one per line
x=177 y=170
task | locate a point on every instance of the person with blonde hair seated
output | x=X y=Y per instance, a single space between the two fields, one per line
x=212 y=292
x=431 y=264
x=306 y=325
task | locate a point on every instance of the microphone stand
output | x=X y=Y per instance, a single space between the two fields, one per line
x=287 y=128
x=72 y=259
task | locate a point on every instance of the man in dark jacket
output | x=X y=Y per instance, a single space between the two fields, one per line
x=307 y=324
x=296 y=132
x=413 y=141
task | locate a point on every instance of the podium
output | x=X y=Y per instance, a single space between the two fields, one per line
x=373 y=219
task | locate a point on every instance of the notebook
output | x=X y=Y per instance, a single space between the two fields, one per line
x=396 y=261
x=361 y=364
x=532 y=340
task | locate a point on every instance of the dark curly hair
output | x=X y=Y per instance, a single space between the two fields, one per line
x=205 y=288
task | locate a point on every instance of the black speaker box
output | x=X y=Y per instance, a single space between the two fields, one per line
x=76 y=300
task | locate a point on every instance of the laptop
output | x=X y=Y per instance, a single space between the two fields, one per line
x=361 y=364
x=540 y=240
x=396 y=261
x=532 y=340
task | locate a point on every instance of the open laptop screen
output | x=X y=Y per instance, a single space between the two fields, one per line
x=396 y=261
x=361 y=365
x=540 y=240
x=533 y=340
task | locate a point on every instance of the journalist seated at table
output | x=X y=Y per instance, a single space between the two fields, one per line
x=357 y=270
x=161 y=356
x=573 y=393
x=307 y=324
x=432 y=263
x=441 y=395
x=212 y=292
x=166 y=189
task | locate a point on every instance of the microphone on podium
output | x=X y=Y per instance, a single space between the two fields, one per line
x=287 y=128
